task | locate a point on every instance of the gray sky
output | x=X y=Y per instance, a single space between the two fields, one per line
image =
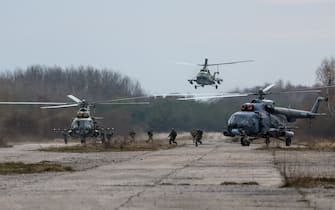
x=145 y=38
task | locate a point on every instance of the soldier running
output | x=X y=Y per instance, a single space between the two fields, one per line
x=172 y=136
x=193 y=134
x=150 y=136
x=198 y=137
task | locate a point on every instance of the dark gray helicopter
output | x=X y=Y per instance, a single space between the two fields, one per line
x=262 y=119
x=84 y=125
x=205 y=77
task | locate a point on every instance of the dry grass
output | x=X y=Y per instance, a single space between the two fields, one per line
x=307 y=182
x=305 y=169
x=8 y=168
x=322 y=146
x=119 y=147
x=235 y=183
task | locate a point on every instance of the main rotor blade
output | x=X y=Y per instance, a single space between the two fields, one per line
x=30 y=103
x=226 y=63
x=60 y=106
x=75 y=99
x=298 y=91
x=124 y=103
x=233 y=95
x=121 y=99
x=266 y=89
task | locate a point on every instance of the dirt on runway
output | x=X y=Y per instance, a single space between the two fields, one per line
x=215 y=175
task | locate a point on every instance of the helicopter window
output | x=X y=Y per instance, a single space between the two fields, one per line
x=86 y=124
x=81 y=114
x=243 y=120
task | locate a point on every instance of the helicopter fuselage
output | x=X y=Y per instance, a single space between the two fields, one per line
x=261 y=119
x=205 y=78
x=83 y=128
x=253 y=120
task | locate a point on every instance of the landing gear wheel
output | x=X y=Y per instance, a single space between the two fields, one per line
x=216 y=87
x=195 y=87
x=83 y=140
x=245 y=141
x=267 y=141
x=65 y=138
x=288 y=141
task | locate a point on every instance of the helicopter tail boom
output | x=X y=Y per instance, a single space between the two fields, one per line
x=317 y=104
x=293 y=114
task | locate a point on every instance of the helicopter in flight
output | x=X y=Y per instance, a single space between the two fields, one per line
x=260 y=118
x=84 y=125
x=205 y=77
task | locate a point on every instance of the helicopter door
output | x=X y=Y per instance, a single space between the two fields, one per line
x=264 y=122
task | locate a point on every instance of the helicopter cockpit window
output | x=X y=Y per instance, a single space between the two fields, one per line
x=243 y=120
x=82 y=114
x=83 y=124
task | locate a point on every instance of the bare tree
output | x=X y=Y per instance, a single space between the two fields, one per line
x=325 y=74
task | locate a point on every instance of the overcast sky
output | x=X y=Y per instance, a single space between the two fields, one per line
x=144 y=39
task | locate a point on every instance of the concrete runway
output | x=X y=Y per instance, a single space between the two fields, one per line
x=183 y=178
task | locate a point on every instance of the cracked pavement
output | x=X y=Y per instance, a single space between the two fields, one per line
x=210 y=176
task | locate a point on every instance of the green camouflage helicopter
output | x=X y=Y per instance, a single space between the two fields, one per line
x=84 y=125
x=205 y=77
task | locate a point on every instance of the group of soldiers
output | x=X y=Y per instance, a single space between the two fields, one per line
x=132 y=135
x=196 y=134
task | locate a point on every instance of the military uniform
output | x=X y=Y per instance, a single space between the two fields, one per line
x=150 y=136
x=198 y=137
x=193 y=134
x=172 y=136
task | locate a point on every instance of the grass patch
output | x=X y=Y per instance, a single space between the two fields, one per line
x=307 y=182
x=236 y=183
x=5 y=146
x=88 y=148
x=321 y=147
x=8 y=168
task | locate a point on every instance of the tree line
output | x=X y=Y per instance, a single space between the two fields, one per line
x=43 y=83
